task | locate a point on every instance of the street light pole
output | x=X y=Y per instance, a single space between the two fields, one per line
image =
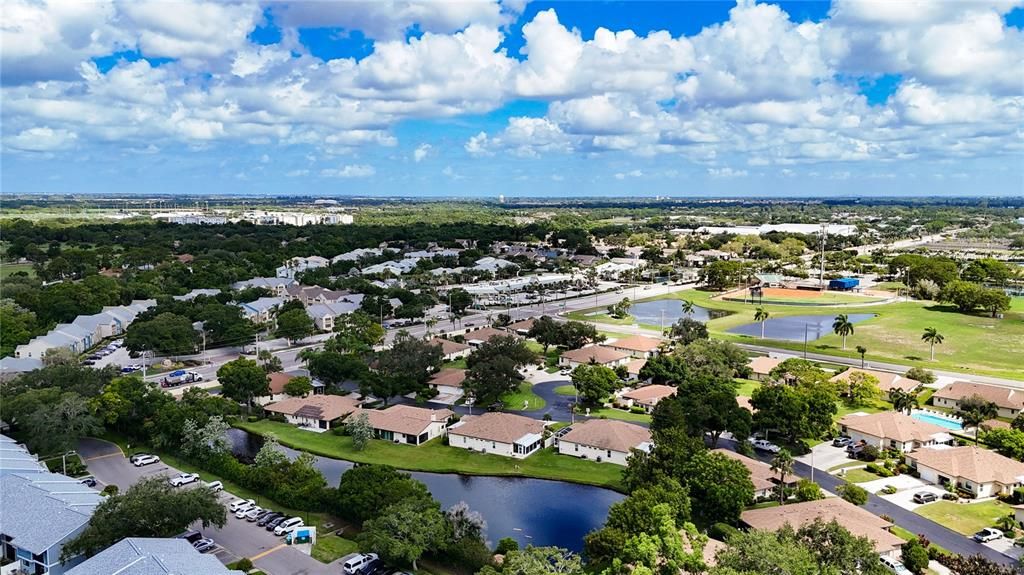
x=806 y=325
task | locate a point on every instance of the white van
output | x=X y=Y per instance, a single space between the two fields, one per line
x=288 y=525
x=239 y=504
x=353 y=565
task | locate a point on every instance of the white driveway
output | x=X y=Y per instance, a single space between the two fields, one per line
x=900 y=482
x=825 y=456
x=1006 y=547
x=905 y=497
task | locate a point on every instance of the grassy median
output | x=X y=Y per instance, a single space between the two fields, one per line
x=436 y=457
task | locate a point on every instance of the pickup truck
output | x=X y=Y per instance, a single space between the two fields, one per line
x=180 y=377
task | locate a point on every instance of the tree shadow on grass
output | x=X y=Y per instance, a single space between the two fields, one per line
x=913 y=358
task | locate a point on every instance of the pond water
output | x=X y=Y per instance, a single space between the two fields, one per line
x=532 y=511
x=650 y=312
x=792 y=327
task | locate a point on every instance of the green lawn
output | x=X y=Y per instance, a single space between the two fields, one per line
x=612 y=413
x=567 y=389
x=329 y=548
x=973 y=343
x=11 y=269
x=876 y=406
x=826 y=298
x=965 y=518
x=746 y=387
x=860 y=475
x=889 y=286
x=525 y=395
x=613 y=334
x=436 y=457
x=459 y=363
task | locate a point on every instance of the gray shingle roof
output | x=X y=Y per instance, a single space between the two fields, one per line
x=150 y=556
x=39 y=510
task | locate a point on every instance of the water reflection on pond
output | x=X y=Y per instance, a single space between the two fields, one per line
x=792 y=327
x=532 y=511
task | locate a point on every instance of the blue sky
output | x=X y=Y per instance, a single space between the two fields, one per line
x=480 y=98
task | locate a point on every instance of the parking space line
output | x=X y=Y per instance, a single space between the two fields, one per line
x=267 y=552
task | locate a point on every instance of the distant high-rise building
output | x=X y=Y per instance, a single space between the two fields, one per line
x=501 y=199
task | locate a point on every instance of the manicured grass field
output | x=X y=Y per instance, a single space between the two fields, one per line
x=746 y=387
x=974 y=343
x=459 y=363
x=11 y=269
x=875 y=406
x=525 y=396
x=611 y=413
x=331 y=547
x=790 y=296
x=436 y=457
x=567 y=389
x=860 y=476
x=965 y=518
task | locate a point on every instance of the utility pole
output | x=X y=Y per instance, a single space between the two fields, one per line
x=805 y=340
x=821 y=278
x=257 y=344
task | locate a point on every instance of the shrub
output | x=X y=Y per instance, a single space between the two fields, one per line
x=889 y=489
x=547 y=417
x=878 y=470
x=914 y=557
x=885 y=517
x=745 y=448
x=853 y=493
x=109 y=490
x=636 y=409
x=807 y=490
x=869 y=453
x=722 y=531
x=950 y=496
x=243 y=564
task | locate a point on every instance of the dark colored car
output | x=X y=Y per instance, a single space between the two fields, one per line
x=372 y=566
x=259 y=516
x=275 y=523
x=263 y=521
x=191 y=536
x=88 y=482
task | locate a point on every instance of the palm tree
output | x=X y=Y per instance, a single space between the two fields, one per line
x=974 y=411
x=932 y=336
x=903 y=400
x=687 y=307
x=842 y=327
x=762 y=316
x=862 y=350
x=782 y=464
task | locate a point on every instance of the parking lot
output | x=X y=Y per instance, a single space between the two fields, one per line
x=238 y=538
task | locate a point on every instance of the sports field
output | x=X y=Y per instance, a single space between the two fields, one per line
x=974 y=343
x=784 y=296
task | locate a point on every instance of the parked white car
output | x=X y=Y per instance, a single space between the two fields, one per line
x=145 y=460
x=184 y=479
x=988 y=534
x=893 y=565
x=288 y=525
x=239 y=503
x=250 y=512
x=354 y=564
x=214 y=486
x=765 y=445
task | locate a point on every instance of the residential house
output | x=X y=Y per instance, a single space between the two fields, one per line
x=261 y=310
x=647 y=396
x=521 y=327
x=982 y=472
x=11 y=367
x=151 y=556
x=360 y=253
x=483 y=335
x=604 y=440
x=491 y=264
x=448 y=383
x=319 y=412
x=633 y=369
x=893 y=430
x=639 y=346
x=856 y=520
x=594 y=354
x=1009 y=401
x=40 y=512
x=275 y=284
x=887 y=381
x=82 y=335
x=16 y=458
x=102 y=325
x=196 y=293
x=394 y=268
x=38 y=346
x=761 y=366
x=297 y=265
x=406 y=423
x=277 y=381
x=325 y=315
x=451 y=350
x=761 y=475
x=498 y=433
x=310 y=295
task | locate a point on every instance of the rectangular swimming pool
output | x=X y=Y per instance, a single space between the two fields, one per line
x=935 y=419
